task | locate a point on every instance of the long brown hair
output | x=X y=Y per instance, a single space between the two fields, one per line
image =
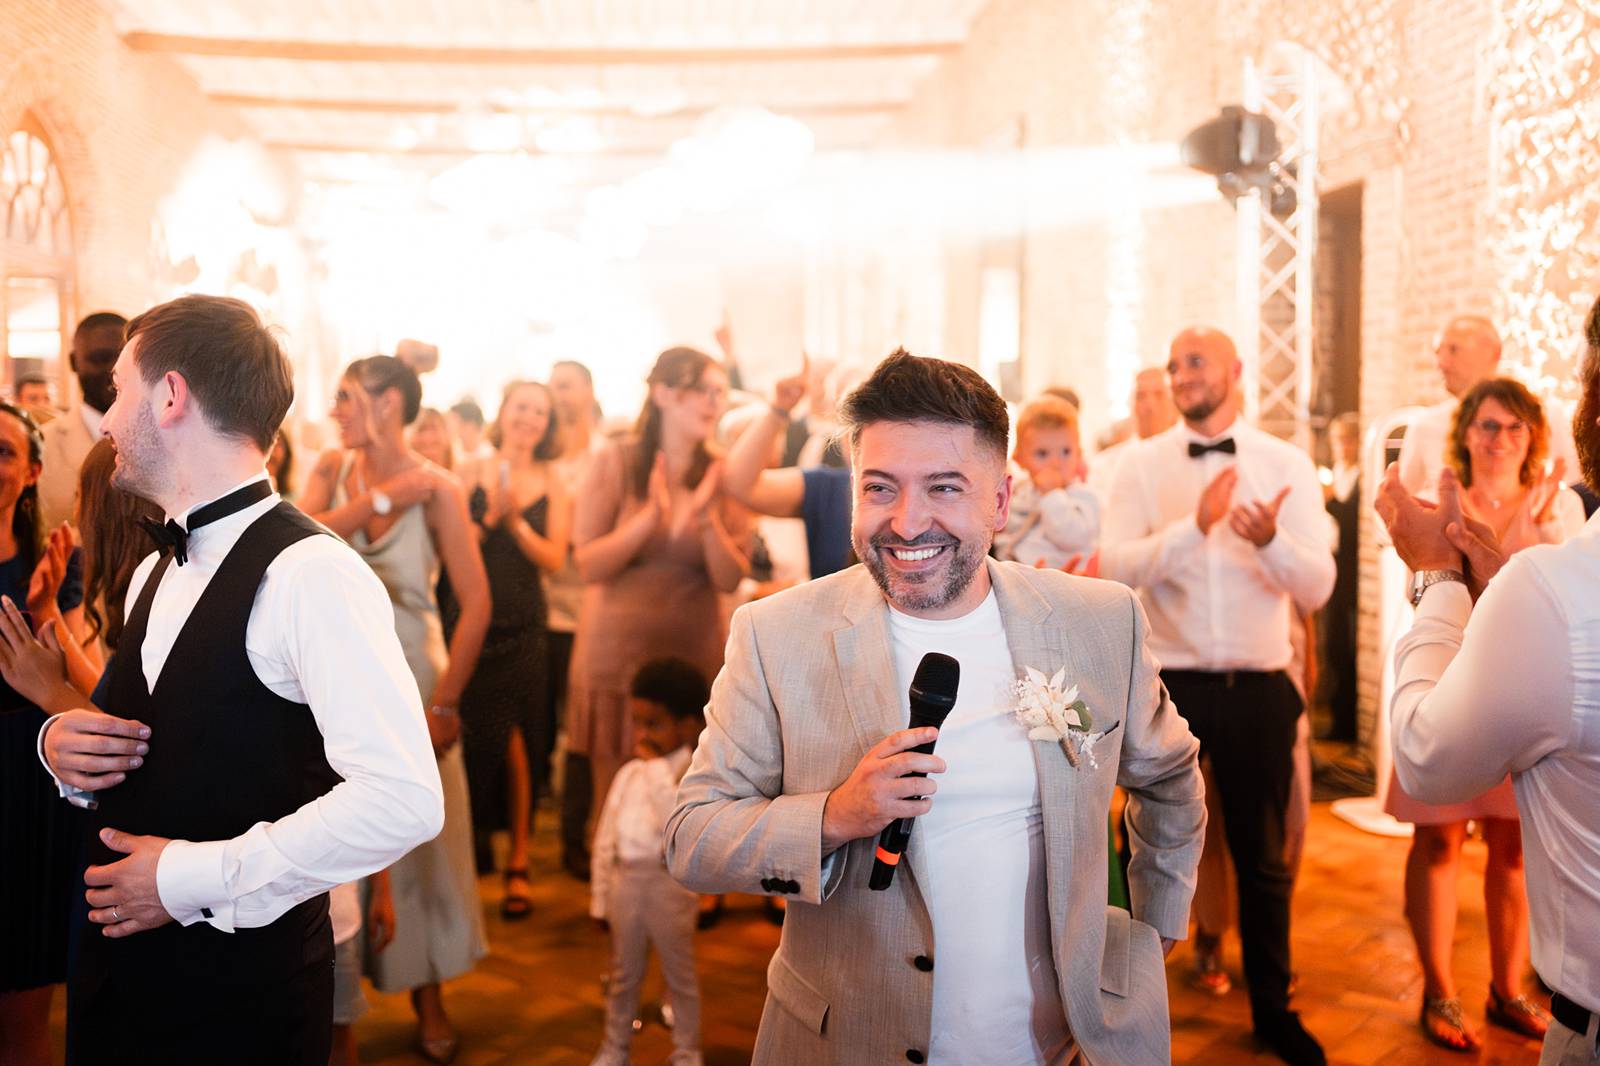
x=113 y=543
x=27 y=525
x=676 y=368
x=1514 y=397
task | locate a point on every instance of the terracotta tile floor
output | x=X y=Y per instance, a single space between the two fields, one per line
x=536 y=998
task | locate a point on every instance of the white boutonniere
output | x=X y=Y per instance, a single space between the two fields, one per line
x=1049 y=710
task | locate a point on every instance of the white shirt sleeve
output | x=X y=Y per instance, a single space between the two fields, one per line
x=338 y=640
x=1475 y=702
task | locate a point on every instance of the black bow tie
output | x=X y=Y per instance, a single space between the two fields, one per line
x=171 y=537
x=1225 y=446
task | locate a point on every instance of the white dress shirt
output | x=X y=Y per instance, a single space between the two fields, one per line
x=321 y=633
x=980 y=860
x=633 y=822
x=1217 y=602
x=1518 y=691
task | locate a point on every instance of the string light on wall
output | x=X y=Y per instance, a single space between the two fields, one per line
x=1545 y=215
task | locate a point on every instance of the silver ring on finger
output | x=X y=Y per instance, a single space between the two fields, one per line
x=115 y=915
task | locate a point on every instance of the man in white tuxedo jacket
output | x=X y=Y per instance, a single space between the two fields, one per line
x=994 y=942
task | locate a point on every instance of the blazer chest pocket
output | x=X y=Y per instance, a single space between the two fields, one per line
x=796 y=995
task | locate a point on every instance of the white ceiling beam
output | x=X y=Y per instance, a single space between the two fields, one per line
x=358 y=52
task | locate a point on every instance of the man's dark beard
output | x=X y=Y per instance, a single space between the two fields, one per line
x=964 y=562
x=1585 y=430
x=1204 y=409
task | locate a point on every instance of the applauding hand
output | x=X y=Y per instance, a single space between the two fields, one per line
x=1258 y=522
x=48 y=574
x=1214 y=499
x=1416 y=526
x=703 y=504
x=36 y=668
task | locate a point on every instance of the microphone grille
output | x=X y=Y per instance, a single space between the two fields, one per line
x=936 y=680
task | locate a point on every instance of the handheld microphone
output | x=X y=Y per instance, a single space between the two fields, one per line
x=933 y=693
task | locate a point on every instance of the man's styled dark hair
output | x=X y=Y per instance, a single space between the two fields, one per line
x=31 y=379
x=233 y=364
x=100 y=320
x=1585 y=431
x=469 y=412
x=676 y=684
x=908 y=388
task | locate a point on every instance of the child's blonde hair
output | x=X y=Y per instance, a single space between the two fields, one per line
x=1047 y=412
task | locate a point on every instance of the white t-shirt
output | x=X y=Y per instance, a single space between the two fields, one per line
x=980 y=857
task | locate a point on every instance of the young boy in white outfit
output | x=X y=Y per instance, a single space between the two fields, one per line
x=631 y=893
x=1054 y=516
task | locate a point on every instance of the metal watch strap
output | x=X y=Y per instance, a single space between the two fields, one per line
x=1424 y=579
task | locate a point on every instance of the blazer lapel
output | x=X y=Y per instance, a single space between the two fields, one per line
x=1036 y=634
x=866 y=664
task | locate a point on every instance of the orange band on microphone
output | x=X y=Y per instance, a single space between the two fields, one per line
x=888 y=858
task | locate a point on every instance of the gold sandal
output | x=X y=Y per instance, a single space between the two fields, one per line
x=1442 y=1023
x=1518 y=1013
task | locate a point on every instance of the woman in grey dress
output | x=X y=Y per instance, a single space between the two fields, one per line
x=405 y=516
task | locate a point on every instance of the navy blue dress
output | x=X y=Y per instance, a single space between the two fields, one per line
x=38 y=829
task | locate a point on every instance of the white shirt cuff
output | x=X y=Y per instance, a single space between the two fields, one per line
x=75 y=796
x=1446 y=601
x=190 y=884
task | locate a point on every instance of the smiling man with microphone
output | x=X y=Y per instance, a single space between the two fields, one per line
x=989 y=939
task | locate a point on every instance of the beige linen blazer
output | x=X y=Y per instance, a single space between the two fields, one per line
x=67 y=441
x=808 y=687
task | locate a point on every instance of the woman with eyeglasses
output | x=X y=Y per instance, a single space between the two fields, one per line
x=656 y=542
x=1497 y=448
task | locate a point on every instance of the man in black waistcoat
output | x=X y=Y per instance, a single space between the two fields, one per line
x=265 y=740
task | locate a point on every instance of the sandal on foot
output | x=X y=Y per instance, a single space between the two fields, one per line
x=1210 y=977
x=1518 y=1013
x=515 y=905
x=1443 y=1024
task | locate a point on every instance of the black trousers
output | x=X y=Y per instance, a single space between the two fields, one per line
x=1246 y=723
x=577 y=780
x=136 y=1018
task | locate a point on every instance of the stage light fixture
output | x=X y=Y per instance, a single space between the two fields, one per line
x=1240 y=148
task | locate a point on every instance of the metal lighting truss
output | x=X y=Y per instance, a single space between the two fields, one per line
x=1276 y=288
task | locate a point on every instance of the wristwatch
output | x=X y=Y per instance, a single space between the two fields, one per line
x=1423 y=578
x=381 y=504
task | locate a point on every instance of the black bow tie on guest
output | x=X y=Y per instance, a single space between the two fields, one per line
x=171 y=537
x=1225 y=446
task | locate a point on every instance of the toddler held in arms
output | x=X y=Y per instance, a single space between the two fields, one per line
x=1054 y=516
x=631 y=893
